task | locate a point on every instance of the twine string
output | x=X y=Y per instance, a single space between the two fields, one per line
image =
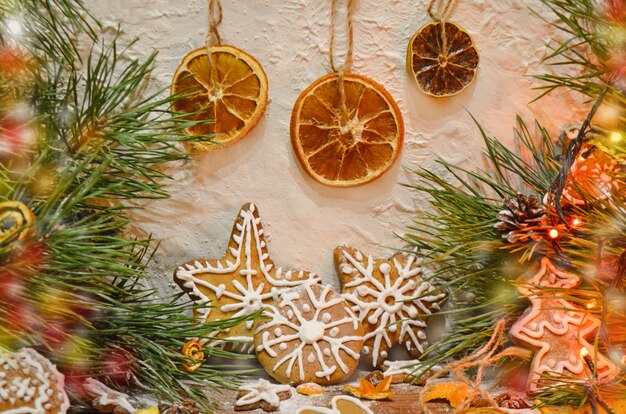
x=213 y=36
x=350 y=35
x=442 y=11
x=347 y=64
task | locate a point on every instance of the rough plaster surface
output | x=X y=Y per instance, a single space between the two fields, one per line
x=290 y=38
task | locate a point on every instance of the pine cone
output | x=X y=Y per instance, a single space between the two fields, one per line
x=186 y=407
x=524 y=219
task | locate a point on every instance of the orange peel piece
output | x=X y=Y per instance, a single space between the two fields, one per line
x=192 y=350
x=16 y=222
x=368 y=391
x=310 y=388
x=455 y=392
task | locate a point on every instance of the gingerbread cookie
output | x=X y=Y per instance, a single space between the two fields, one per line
x=312 y=336
x=261 y=394
x=29 y=383
x=391 y=299
x=240 y=283
x=106 y=400
x=557 y=329
x=340 y=404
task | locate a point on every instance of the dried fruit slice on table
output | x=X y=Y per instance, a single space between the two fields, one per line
x=229 y=91
x=351 y=144
x=442 y=58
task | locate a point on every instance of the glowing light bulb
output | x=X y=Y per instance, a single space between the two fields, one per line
x=553 y=233
x=584 y=352
x=591 y=305
x=14 y=27
x=576 y=222
x=615 y=137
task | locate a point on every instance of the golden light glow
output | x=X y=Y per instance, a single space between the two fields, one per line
x=615 y=136
x=584 y=352
x=553 y=233
x=576 y=222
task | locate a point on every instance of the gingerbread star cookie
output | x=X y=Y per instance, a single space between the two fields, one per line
x=312 y=335
x=391 y=299
x=261 y=394
x=240 y=283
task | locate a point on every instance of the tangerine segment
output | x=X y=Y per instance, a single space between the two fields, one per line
x=229 y=91
x=442 y=58
x=350 y=144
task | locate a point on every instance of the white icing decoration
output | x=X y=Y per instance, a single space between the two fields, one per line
x=310 y=333
x=31 y=386
x=412 y=367
x=396 y=302
x=262 y=390
x=104 y=395
x=247 y=295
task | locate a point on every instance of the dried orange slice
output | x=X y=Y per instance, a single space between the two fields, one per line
x=229 y=91
x=442 y=58
x=350 y=145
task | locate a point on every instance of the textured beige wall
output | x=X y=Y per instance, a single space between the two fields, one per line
x=290 y=38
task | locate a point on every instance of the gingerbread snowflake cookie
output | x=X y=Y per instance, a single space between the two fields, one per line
x=312 y=335
x=29 y=383
x=261 y=394
x=239 y=283
x=391 y=299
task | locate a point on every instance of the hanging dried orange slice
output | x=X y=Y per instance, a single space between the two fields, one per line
x=351 y=144
x=228 y=91
x=442 y=58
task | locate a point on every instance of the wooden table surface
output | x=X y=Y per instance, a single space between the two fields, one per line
x=405 y=401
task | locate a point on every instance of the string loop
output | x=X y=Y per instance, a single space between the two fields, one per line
x=213 y=36
x=347 y=64
x=443 y=9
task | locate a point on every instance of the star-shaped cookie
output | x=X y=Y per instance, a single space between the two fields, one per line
x=240 y=283
x=391 y=299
